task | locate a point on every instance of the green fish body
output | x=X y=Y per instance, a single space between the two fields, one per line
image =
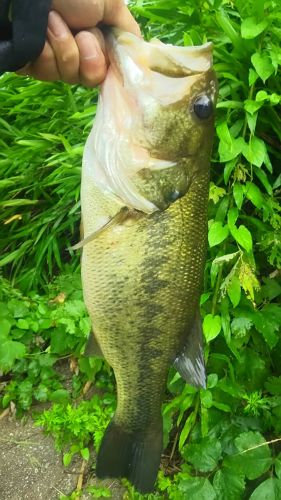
x=145 y=244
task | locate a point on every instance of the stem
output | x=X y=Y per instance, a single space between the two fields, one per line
x=71 y=98
x=217 y=289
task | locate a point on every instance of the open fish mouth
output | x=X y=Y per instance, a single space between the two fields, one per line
x=147 y=83
x=126 y=49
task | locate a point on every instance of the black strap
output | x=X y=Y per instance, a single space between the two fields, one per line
x=23 y=25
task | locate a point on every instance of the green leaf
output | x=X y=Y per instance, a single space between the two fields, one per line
x=41 y=393
x=189 y=423
x=212 y=380
x=250 y=28
x=226 y=258
x=217 y=233
x=277 y=465
x=253 y=76
x=253 y=458
x=255 y=151
x=270 y=489
x=211 y=326
x=243 y=237
x=238 y=194
x=273 y=385
x=232 y=217
x=205 y=455
x=228 y=484
x=60 y=396
x=254 y=194
x=248 y=279
x=23 y=324
x=240 y=326
x=198 y=488
x=234 y=291
x=5 y=327
x=252 y=106
x=263 y=65
x=206 y=398
x=67 y=457
x=261 y=175
x=9 y=352
x=229 y=147
x=85 y=453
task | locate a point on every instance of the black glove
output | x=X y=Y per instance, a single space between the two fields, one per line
x=23 y=25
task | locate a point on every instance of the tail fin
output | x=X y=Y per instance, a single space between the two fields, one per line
x=134 y=455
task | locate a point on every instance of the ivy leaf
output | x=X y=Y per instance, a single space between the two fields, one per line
x=252 y=460
x=270 y=489
x=238 y=194
x=232 y=217
x=197 y=487
x=9 y=352
x=85 y=453
x=254 y=194
x=226 y=258
x=263 y=65
x=217 y=233
x=67 y=457
x=252 y=106
x=248 y=280
x=250 y=28
x=261 y=175
x=205 y=455
x=229 y=147
x=234 y=290
x=240 y=326
x=228 y=484
x=211 y=326
x=255 y=151
x=243 y=237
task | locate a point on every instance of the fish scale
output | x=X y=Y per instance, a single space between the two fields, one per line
x=141 y=290
x=145 y=237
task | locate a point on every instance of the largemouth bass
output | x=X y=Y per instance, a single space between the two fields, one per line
x=144 y=202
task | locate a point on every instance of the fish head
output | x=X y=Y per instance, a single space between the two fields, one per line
x=157 y=118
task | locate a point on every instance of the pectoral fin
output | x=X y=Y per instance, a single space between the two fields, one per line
x=190 y=362
x=92 y=348
x=118 y=218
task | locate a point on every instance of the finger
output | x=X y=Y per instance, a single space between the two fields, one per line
x=93 y=65
x=64 y=47
x=45 y=66
x=80 y=14
x=88 y=13
x=117 y=14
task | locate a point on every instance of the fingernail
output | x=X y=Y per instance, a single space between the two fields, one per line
x=88 y=46
x=57 y=26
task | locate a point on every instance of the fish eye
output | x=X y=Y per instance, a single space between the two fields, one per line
x=203 y=107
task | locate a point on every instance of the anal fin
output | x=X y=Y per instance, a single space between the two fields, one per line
x=190 y=362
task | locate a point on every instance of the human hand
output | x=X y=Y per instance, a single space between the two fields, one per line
x=79 y=57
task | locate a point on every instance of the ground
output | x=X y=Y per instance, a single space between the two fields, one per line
x=31 y=469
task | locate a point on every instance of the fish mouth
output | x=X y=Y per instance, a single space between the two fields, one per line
x=153 y=71
x=128 y=51
x=142 y=80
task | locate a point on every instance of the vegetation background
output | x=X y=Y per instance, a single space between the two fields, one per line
x=222 y=442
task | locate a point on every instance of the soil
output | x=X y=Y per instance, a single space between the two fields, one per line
x=31 y=469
